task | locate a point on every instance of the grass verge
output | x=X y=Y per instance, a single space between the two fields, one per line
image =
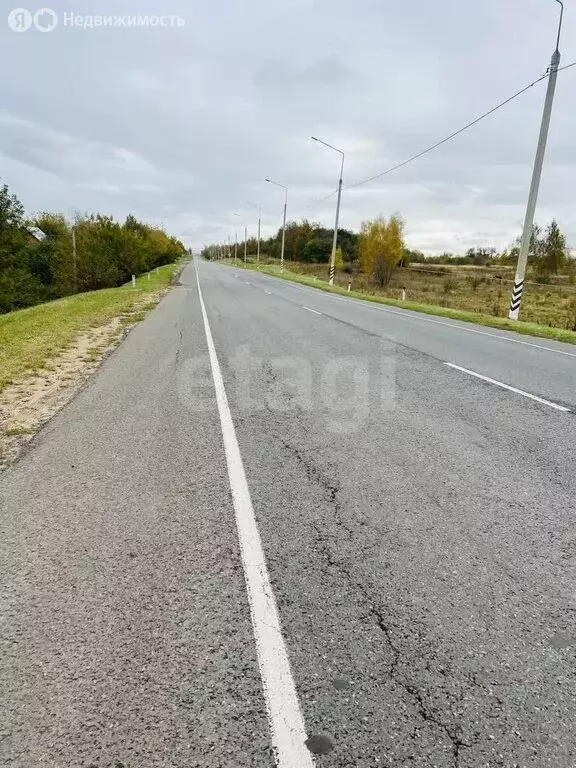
x=30 y=337
x=502 y=323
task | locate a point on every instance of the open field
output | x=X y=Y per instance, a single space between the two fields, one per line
x=485 y=290
x=449 y=294
x=29 y=338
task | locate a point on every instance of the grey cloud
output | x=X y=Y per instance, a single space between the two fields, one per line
x=182 y=125
x=275 y=75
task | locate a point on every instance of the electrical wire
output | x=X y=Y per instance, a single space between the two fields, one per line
x=453 y=135
x=319 y=202
x=456 y=133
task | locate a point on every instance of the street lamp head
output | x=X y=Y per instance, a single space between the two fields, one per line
x=561 y=4
x=313 y=138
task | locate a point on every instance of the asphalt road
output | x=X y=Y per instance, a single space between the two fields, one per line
x=417 y=523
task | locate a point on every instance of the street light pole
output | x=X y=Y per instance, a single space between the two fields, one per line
x=335 y=238
x=236 y=241
x=258 y=246
x=258 y=241
x=516 y=298
x=74 y=258
x=284 y=221
x=245 y=243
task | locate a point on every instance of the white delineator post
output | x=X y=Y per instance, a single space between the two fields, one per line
x=133 y=281
x=516 y=298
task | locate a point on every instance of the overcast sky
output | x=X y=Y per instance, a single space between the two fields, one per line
x=180 y=125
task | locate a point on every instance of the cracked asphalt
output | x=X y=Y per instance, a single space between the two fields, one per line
x=418 y=526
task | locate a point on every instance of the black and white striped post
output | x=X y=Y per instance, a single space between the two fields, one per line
x=516 y=298
x=335 y=239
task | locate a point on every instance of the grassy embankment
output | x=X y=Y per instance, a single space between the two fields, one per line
x=471 y=294
x=29 y=338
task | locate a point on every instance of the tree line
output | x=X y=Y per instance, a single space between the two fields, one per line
x=379 y=248
x=107 y=253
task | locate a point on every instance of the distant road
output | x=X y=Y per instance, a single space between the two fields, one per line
x=282 y=520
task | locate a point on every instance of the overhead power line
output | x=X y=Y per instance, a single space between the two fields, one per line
x=314 y=205
x=452 y=135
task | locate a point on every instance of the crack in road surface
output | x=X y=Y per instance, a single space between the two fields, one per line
x=331 y=491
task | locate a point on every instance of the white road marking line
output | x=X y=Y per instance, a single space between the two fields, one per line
x=284 y=714
x=268 y=292
x=312 y=310
x=413 y=315
x=511 y=389
x=247 y=283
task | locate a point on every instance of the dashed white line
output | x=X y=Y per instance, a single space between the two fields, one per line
x=268 y=292
x=413 y=315
x=284 y=714
x=312 y=310
x=511 y=389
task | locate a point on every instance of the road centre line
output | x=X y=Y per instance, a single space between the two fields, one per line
x=284 y=714
x=312 y=310
x=508 y=387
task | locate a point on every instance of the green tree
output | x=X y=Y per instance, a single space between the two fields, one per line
x=554 y=254
x=19 y=287
x=53 y=257
x=317 y=250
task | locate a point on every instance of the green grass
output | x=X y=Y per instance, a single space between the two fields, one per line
x=30 y=337
x=17 y=431
x=528 y=329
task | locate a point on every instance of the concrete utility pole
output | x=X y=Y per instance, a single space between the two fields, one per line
x=516 y=298
x=335 y=239
x=284 y=221
x=245 y=244
x=258 y=245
